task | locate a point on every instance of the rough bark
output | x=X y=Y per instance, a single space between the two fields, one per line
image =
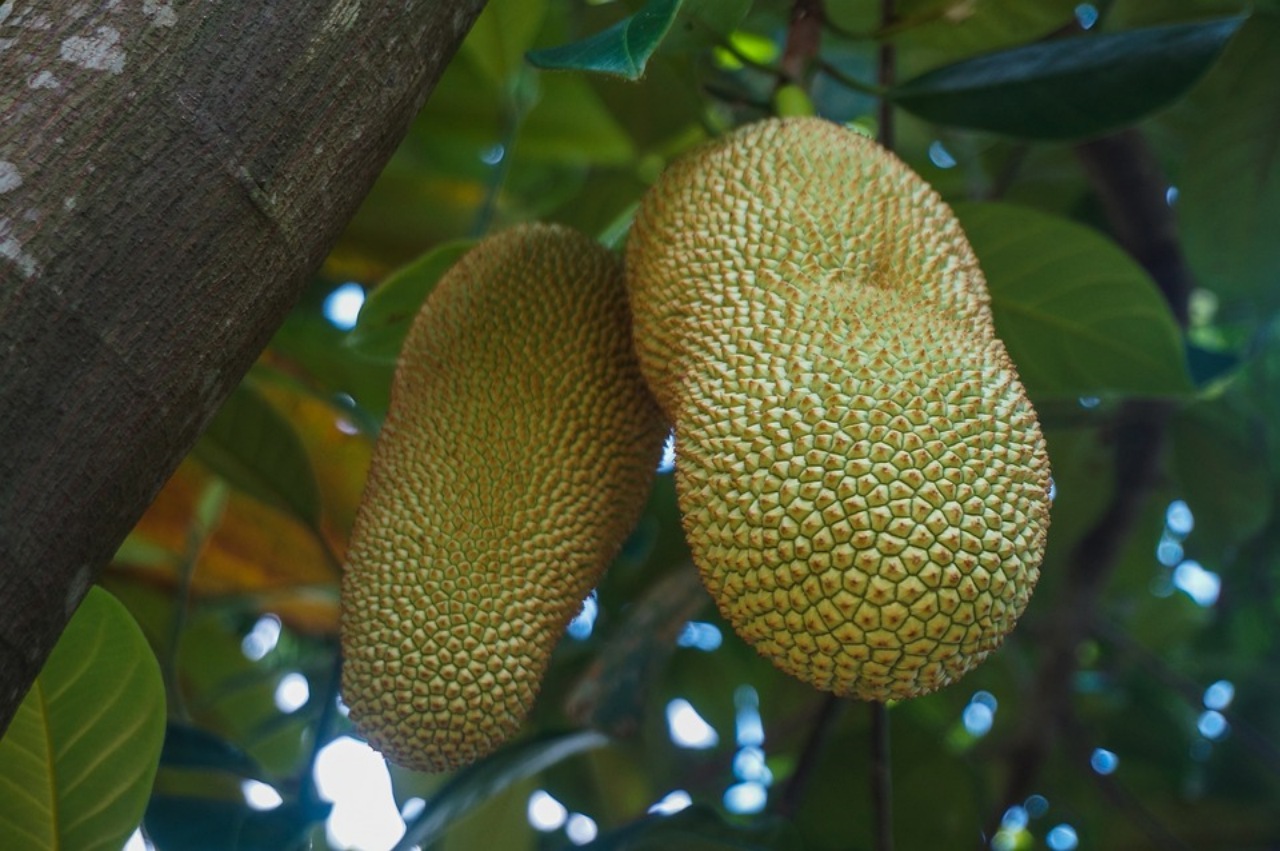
x=171 y=174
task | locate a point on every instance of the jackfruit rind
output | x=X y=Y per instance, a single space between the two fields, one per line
x=863 y=482
x=516 y=457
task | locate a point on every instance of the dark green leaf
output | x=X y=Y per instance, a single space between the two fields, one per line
x=1214 y=461
x=78 y=759
x=255 y=449
x=1070 y=88
x=1230 y=190
x=192 y=748
x=1078 y=315
x=483 y=780
x=389 y=310
x=622 y=50
x=698 y=829
x=177 y=823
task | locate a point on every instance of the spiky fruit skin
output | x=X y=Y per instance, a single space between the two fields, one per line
x=516 y=457
x=863 y=480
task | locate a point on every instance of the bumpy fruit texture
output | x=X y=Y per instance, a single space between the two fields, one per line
x=515 y=459
x=863 y=481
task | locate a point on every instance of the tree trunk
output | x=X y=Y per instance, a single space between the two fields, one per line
x=171 y=174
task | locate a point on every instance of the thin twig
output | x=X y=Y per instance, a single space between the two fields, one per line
x=881 y=777
x=1159 y=836
x=819 y=731
x=1256 y=742
x=845 y=80
x=885 y=74
x=804 y=41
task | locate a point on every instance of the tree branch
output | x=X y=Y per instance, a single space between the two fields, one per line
x=175 y=174
x=1132 y=190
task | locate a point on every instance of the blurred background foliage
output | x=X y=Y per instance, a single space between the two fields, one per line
x=1134 y=706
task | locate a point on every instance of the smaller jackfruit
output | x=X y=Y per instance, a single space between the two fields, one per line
x=862 y=479
x=516 y=457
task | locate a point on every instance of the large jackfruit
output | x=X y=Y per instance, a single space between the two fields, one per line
x=515 y=459
x=863 y=481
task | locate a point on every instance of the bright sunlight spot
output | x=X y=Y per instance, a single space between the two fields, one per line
x=667 y=462
x=1179 y=519
x=746 y=798
x=978 y=719
x=1169 y=550
x=545 y=812
x=1219 y=695
x=412 y=808
x=1212 y=724
x=672 y=803
x=750 y=727
x=259 y=796
x=1062 y=838
x=342 y=306
x=688 y=729
x=262 y=639
x=940 y=156
x=749 y=765
x=138 y=843
x=581 y=626
x=1200 y=584
x=700 y=636
x=292 y=693
x=1015 y=818
x=580 y=829
x=354 y=778
x=1103 y=761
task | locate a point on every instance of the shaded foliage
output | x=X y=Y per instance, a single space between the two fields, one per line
x=1145 y=416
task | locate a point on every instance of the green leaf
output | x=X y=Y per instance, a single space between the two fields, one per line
x=571 y=124
x=1230 y=189
x=390 y=309
x=254 y=448
x=500 y=36
x=698 y=829
x=483 y=780
x=1069 y=88
x=622 y=50
x=1078 y=315
x=78 y=761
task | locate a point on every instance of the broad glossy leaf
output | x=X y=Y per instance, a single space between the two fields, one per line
x=479 y=782
x=1068 y=88
x=1078 y=315
x=78 y=760
x=254 y=448
x=621 y=50
x=1229 y=204
x=390 y=309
